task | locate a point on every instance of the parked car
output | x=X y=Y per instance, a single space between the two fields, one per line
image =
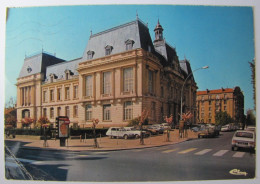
x=166 y=126
x=158 y=127
x=243 y=139
x=206 y=131
x=250 y=128
x=225 y=128
x=118 y=132
x=135 y=131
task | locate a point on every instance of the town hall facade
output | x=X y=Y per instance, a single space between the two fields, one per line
x=121 y=73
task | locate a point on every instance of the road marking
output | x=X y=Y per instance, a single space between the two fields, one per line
x=100 y=152
x=81 y=155
x=187 y=150
x=220 y=153
x=169 y=151
x=203 y=152
x=239 y=154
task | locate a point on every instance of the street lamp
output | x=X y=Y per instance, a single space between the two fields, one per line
x=204 y=67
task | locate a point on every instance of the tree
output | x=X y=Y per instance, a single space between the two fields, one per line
x=142 y=120
x=252 y=66
x=250 y=118
x=10 y=117
x=222 y=118
x=169 y=122
x=27 y=121
x=43 y=121
x=11 y=103
x=94 y=124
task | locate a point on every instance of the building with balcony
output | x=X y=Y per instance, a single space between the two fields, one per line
x=230 y=100
x=121 y=73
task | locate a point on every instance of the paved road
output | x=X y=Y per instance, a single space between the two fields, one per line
x=202 y=159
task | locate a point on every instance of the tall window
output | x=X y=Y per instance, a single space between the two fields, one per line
x=88 y=112
x=67 y=111
x=128 y=110
x=128 y=79
x=44 y=96
x=89 y=85
x=150 y=81
x=162 y=92
x=44 y=112
x=52 y=95
x=67 y=93
x=107 y=112
x=75 y=111
x=153 y=110
x=75 y=90
x=51 y=112
x=59 y=111
x=107 y=83
x=59 y=94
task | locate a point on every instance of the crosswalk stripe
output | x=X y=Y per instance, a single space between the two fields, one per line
x=169 y=151
x=239 y=154
x=203 y=152
x=220 y=153
x=187 y=150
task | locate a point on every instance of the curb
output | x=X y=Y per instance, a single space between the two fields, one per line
x=102 y=150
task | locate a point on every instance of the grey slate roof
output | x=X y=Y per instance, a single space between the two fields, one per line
x=38 y=64
x=117 y=36
x=59 y=69
x=186 y=68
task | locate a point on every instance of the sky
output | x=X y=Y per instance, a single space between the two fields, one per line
x=221 y=37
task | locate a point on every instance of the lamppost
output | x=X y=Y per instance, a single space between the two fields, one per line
x=204 y=67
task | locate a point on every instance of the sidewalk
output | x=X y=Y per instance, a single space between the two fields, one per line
x=107 y=144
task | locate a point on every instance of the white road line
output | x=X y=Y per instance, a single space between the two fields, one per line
x=203 y=152
x=169 y=151
x=220 y=153
x=239 y=154
x=187 y=150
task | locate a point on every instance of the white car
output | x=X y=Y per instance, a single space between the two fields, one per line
x=134 y=131
x=250 y=128
x=118 y=132
x=243 y=139
x=225 y=128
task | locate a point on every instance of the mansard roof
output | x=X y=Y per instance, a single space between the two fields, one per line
x=116 y=37
x=59 y=69
x=38 y=63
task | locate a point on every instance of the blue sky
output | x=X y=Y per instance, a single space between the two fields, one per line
x=220 y=37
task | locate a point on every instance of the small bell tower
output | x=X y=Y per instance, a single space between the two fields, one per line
x=158 y=32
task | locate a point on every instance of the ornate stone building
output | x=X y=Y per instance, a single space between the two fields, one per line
x=121 y=73
x=211 y=101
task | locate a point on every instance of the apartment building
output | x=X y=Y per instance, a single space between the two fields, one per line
x=230 y=100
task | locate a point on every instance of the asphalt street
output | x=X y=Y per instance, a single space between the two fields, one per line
x=201 y=159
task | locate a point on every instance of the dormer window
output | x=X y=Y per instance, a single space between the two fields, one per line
x=52 y=77
x=108 y=50
x=129 y=44
x=67 y=74
x=90 y=54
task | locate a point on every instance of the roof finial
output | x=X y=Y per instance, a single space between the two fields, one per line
x=136 y=15
x=90 y=32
